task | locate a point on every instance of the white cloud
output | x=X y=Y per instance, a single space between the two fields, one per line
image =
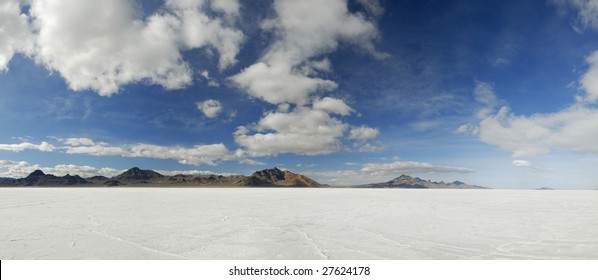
x=289 y=73
x=363 y=133
x=466 y=129
x=124 y=47
x=228 y=7
x=332 y=105
x=372 y=6
x=365 y=147
x=589 y=81
x=210 y=108
x=521 y=163
x=15 y=33
x=303 y=131
x=574 y=129
x=83 y=141
x=587 y=9
x=196 y=155
x=279 y=83
x=399 y=167
x=43 y=146
x=484 y=94
x=305 y=30
x=20 y=169
x=191 y=172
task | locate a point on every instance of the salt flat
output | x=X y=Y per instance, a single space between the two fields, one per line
x=272 y=223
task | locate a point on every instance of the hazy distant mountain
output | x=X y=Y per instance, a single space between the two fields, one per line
x=277 y=177
x=39 y=178
x=408 y=182
x=97 y=178
x=4 y=180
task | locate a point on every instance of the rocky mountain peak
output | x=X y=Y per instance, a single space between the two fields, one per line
x=277 y=177
x=136 y=173
x=36 y=173
x=269 y=175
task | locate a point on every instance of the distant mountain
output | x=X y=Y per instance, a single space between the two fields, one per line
x=277 y=177
x=39 y=178
x=97 y=178
x=408 y=182
x=136 y=174
x=5 y=179
x=264 y=178
x=211 y=179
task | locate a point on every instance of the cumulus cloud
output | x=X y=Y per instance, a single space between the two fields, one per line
x=303 y=131
x=210 y=108
x=196 y=155
x=43 y=146
x=363 y=133
x=332 y=105
x=15 y=33
x=574 y=128
x=291 y=73
x=278 y=83
x=124 y=47
x=304 y=31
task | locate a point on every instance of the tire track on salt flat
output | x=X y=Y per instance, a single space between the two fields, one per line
x=116 y=238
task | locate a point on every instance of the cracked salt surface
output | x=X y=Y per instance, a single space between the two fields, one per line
x=256 y=223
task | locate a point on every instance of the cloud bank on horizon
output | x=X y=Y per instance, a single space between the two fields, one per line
x=231 y=85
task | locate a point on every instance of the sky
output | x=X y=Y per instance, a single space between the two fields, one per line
x=500 y=94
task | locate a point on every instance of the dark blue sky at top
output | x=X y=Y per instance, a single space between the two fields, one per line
x=528 y=51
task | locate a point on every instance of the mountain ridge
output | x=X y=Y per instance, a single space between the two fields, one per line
x=273 y=177
x=408 y=182
x=135 y=176
x=39 y=178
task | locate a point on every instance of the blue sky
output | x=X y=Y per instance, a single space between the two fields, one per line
x=495 y=93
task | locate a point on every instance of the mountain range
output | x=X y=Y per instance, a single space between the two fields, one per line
x=136 y=176
x=264 y=178
x=408 y=182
